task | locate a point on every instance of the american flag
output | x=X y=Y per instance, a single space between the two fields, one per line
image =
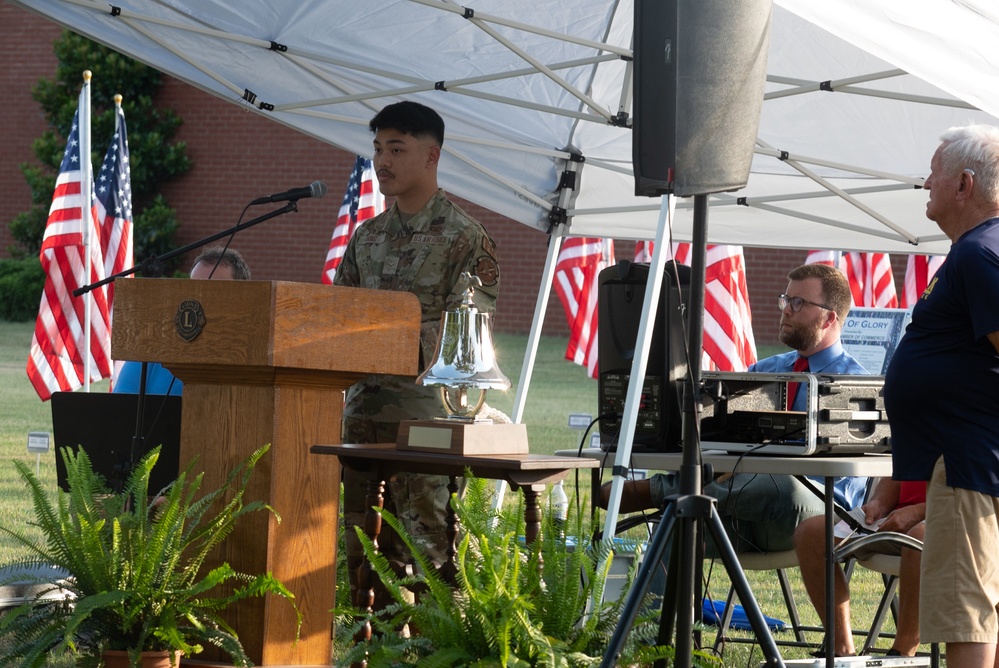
x=872 y=283
x=831 y=258
x=729 y=344
x=113 y=187
x=855 y=268
x=919 y=271
x=577 y=270
x=851 y=264
x=643 y=251
x=361 y=201
x=57 y=359
x=879 y=283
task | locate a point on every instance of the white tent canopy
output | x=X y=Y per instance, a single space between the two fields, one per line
x=524 y=85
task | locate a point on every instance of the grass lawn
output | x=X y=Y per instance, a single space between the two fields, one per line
x=558 y=389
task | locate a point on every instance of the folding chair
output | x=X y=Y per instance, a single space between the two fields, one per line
x=779 y=562
x=881 y=552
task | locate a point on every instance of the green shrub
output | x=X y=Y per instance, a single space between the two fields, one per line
x=505 y=610
x=153 y=234
x=135 y=564
x=21 y=284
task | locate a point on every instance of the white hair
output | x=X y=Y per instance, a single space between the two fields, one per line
x=976 y=148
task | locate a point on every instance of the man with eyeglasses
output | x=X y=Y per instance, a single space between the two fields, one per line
x=760 y=512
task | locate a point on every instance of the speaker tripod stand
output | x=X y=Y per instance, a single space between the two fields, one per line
x=686 y=514
x=681 y=522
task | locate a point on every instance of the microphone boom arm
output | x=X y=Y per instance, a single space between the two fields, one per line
x=151 y=261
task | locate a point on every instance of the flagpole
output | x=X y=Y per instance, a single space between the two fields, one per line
x=86 y=216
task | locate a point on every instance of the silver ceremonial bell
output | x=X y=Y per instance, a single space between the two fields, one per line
x=465 y=358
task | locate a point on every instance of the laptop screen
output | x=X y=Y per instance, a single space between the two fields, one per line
x=103 y=424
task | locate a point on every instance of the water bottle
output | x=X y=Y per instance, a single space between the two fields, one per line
x=560 y=507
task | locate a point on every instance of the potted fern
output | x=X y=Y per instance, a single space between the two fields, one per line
x=505 y=610
x=136 y=583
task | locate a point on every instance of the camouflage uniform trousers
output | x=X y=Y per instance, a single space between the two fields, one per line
x=419 y=501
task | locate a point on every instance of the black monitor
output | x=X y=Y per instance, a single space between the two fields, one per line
x=619 y=302
x=103 y=424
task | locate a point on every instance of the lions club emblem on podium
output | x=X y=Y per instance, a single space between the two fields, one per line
x=190 y=319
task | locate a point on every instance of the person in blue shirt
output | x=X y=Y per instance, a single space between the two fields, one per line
x=215 y=262
x=942 y=398
x=760 y=512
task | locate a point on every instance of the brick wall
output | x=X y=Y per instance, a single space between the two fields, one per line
x=239 y=155
x=27 y=56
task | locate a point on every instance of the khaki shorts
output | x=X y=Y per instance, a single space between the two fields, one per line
x=959 y=588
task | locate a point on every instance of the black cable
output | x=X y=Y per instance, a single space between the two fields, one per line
x=232 y=236
x=173 y=379
x=647 y=518
x=734 y=498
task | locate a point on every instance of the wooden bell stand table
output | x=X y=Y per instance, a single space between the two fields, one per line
x=531 y=473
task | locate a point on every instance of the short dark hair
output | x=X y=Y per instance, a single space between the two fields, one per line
x=411 y=118
x=835 y=288
x=230 y=257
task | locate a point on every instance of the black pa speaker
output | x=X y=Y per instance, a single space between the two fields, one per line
x=620 y=297
x=699 y=74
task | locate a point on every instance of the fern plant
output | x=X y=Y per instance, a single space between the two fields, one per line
x=505 y=610
x=135 y=566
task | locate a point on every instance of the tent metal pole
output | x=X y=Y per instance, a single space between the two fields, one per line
x=523 y=192
x=567 y=195
x=526 y=27
x=805 y=86
x=763 y=148
x=629 y=419
x=902 y=232
x=811 y=86
x=543 y=69
x=835 y=224
x=534 y=338
x=531 y=354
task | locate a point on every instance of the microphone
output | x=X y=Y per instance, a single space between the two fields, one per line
x=315 y=189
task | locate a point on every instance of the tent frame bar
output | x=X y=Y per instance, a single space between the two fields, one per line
x=801 y=86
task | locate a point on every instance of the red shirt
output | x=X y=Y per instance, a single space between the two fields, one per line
x=911 y=492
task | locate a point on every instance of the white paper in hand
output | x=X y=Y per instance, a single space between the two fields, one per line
x=844 y=529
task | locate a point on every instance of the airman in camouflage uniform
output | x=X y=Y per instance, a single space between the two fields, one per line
x=422 y=251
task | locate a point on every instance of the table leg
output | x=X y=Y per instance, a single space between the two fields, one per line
x=830 y=645
x=365 y=597
x=449 y=570
x=532 y=512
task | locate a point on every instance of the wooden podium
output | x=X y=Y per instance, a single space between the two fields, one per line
x=267 y=362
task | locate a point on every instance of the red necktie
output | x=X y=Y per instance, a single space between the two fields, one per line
x=800 y=365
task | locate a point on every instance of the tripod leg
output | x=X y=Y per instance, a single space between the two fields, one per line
x=632 y=604
x=688 y=566
x=738 y=577
x=667 y=617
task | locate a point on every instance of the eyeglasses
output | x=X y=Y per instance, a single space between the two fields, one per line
x=783 y=301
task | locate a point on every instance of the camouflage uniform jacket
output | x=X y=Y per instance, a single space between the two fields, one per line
x=425 y=256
